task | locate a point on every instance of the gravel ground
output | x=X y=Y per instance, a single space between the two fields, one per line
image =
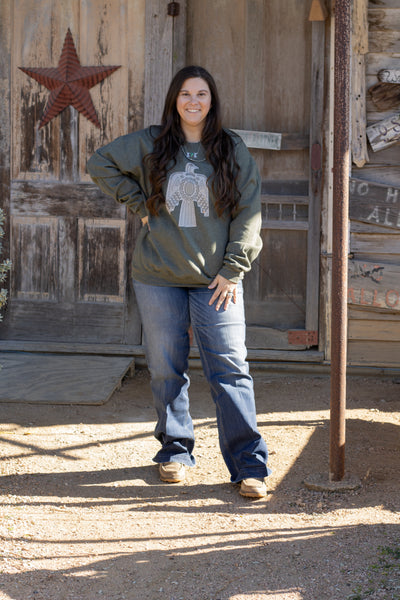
x=83 y=515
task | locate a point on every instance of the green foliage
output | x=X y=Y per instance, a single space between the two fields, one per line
x=5 y=266
x=383 y=579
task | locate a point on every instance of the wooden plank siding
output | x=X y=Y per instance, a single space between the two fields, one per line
x=317 y=115
x=374 y=265
x=275 y=100
x=71 y=245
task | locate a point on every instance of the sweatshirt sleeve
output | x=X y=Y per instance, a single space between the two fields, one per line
x=118 y=170
x=245 y=242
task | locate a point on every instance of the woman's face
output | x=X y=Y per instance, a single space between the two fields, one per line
x=193 y=104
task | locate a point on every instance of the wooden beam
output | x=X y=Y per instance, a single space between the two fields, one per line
x=358 y=85
x=359 y=39
x=315 y=174
x=318 y=11
x=258 y=354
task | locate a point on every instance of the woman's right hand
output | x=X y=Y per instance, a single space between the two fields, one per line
x=145 y=221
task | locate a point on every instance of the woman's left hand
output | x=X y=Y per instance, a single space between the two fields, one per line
x=225 y=291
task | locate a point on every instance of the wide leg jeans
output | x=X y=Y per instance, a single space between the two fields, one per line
x=167 y=313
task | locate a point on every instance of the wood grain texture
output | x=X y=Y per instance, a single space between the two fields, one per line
x=105 y=35
x=317 y=150
x=358 y=82
x=165 y=52
x=375 y=330
x=375 y=285
x=373 y=353
x=360 y=26
x=71 y=247
x=265 y=87
x=60 y=379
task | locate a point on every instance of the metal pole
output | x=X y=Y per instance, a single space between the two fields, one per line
x=341 y=151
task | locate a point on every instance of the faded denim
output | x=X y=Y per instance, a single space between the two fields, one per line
x=167 y=313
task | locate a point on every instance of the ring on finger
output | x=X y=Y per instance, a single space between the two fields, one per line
x=229 y=293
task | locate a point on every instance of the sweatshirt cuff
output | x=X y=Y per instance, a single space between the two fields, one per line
x=231 y=274
x=141 y=211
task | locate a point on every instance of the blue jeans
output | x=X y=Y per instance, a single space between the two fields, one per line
x=167 y=313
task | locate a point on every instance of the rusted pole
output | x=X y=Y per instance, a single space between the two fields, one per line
x=341 y=161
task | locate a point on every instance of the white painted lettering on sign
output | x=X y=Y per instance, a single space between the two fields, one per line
x=385 y=133
x=389 y=75
x=361 y=188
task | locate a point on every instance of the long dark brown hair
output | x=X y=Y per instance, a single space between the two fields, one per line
x=218 y=145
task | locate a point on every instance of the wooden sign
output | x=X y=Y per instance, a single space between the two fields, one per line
x=374 y=203
x=385 y=133
x=374 y=285
x=260 y=139
x=389 y=75
x=274 y=141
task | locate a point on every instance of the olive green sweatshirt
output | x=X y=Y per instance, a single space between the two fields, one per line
x=187 y=244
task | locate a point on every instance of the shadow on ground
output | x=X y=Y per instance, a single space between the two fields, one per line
x=117 y=532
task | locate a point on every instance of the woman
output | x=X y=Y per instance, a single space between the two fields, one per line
x=196 y=189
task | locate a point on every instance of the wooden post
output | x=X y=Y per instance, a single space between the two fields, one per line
x=358 y=86
x=315 y=177
x=318 y=11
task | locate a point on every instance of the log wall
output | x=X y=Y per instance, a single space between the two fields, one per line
x=374 y=265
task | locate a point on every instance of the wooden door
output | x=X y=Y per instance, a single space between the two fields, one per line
x=268 y=61
x=69 y=244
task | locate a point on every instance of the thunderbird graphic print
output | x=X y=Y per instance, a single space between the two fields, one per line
x=187 y=188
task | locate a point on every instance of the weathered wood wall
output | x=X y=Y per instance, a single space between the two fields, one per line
x=108 y=32
x=374 y=269
x=70 y=245
x=62 y=226
x=248 y=45
x=266 y=86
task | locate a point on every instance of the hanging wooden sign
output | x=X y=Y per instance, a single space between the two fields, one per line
x=374 y=203
x=389 y=75
x=385 y=133
x=260 y=139
x=374 y=285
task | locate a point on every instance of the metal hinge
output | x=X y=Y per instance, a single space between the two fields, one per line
x=173 y=9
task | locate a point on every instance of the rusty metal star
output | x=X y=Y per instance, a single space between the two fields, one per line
x=69 y=83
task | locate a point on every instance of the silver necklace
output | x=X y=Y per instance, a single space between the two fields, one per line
x=192 y=155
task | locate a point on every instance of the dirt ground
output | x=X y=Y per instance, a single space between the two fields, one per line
x=83 y=515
